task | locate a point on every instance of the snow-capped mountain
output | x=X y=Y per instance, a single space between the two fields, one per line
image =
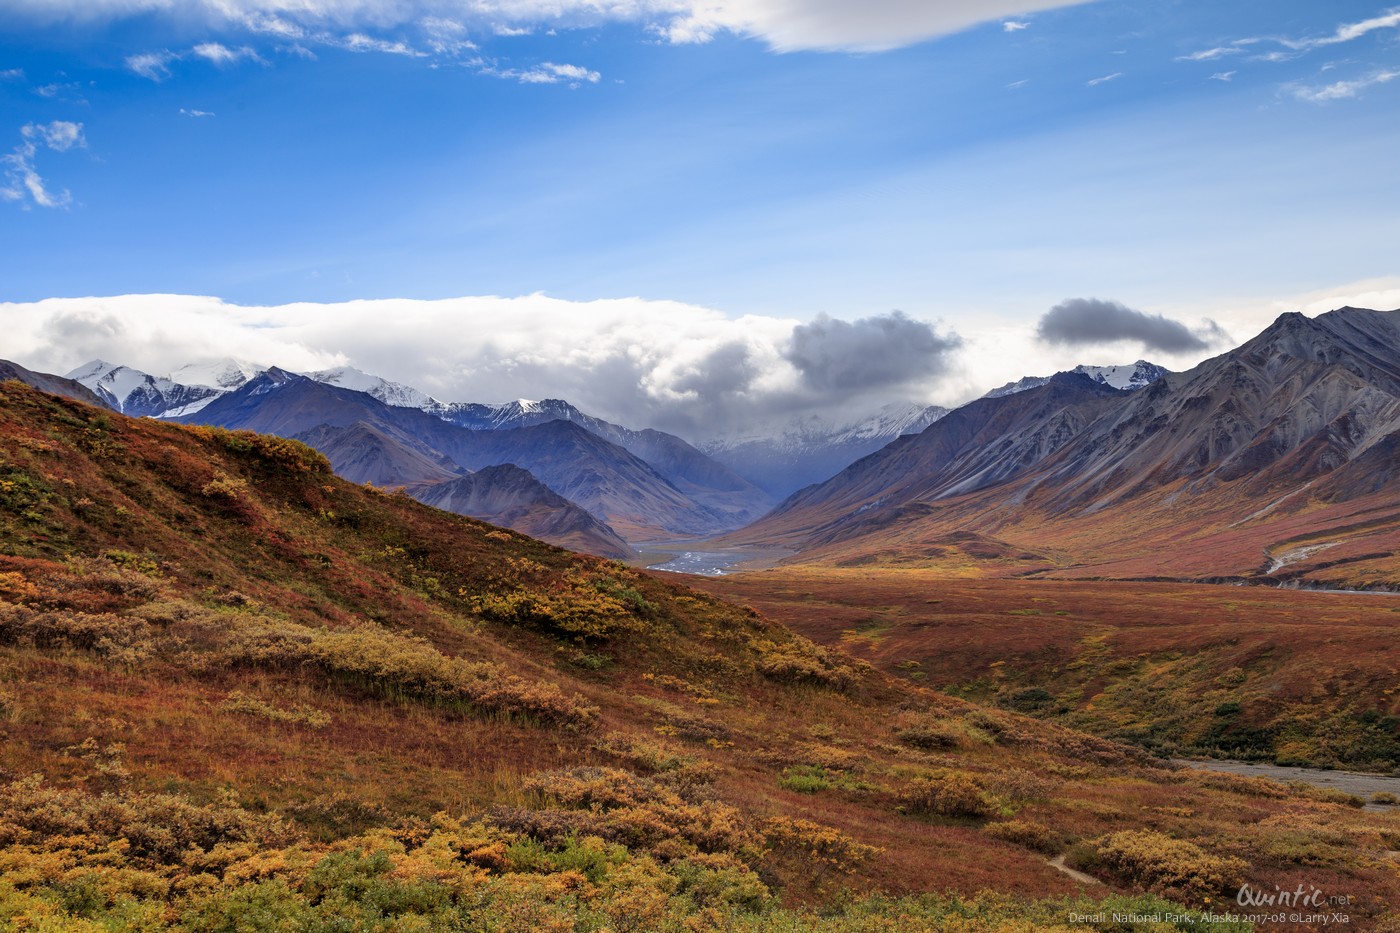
x=390 y=393
x=224 y=374
x=138 y=394
x=782 y=458
x=1126 y=376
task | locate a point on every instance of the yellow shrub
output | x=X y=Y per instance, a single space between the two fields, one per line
x=1174 y=867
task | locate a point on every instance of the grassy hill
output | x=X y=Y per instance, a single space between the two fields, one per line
x=237 y=693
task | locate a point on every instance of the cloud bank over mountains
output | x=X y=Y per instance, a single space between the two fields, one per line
x=680 y=367
x=664 y=364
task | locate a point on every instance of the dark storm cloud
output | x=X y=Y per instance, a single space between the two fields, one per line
x=1093 y=320
x=872 y=352
x=728 y=369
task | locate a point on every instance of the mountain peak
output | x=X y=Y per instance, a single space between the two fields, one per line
x=1131 y=376
x=224 y=373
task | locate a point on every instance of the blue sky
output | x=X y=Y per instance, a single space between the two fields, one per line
x=1193 y=159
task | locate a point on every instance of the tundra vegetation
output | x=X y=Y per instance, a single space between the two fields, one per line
x=1281 y=676
x=237 y=693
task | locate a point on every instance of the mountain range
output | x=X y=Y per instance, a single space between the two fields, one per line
x=1274 y=462
x=637 y=485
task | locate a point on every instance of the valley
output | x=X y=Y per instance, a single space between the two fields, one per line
x=1275 y=675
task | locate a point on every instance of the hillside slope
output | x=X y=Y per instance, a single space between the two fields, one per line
x=236 y=687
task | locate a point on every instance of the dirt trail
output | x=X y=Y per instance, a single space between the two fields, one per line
x=1058 y=863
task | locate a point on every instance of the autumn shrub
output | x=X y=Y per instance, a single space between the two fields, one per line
x=1173 y=867
x=720 y=881
x=948 y=793
x=225 y=487
x=118 y=638
x=641 y=753
x=400 y=666
x=151 y=830
x=282 y=451
x=239 y=702
x=623 y=807
x=1027 y=833
x=820 y=848
x=798 y=660
x=1325 y=794
x=1238 y=783
x=1018 y=784
x=930 y=733
x=805 y=779
x=580 y=606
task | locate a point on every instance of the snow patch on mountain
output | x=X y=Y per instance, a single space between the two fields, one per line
x=1128 y=376
x=225 y=374
x=138 y=394
x=395 y=394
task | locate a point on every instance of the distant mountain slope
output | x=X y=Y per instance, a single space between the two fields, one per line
x=1284 y=446
x=974 y=447
x=615 y=486
x=379 y=454
x=785 y=457
x=703 y=478
x=57 y=385
x=726 y=499
x=507 y=495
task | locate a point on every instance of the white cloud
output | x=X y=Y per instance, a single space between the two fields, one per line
x=446 y=36
x=1012 y=25
x=546 y=73
x=1341 y=90
x=1095 y=82
x=152 y=65
x=1209 y=55
x=12 y=74
x=1347 y=32
x=784 y=25
x=666 y=364
x=1015 y=84
x=359 y=42
x=501 y=29
x=196 y=113
x=60 y=135
x=223 y=56
x=1223 y=75
x=23 y=183
x=1390 y=19
x=272 y=25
